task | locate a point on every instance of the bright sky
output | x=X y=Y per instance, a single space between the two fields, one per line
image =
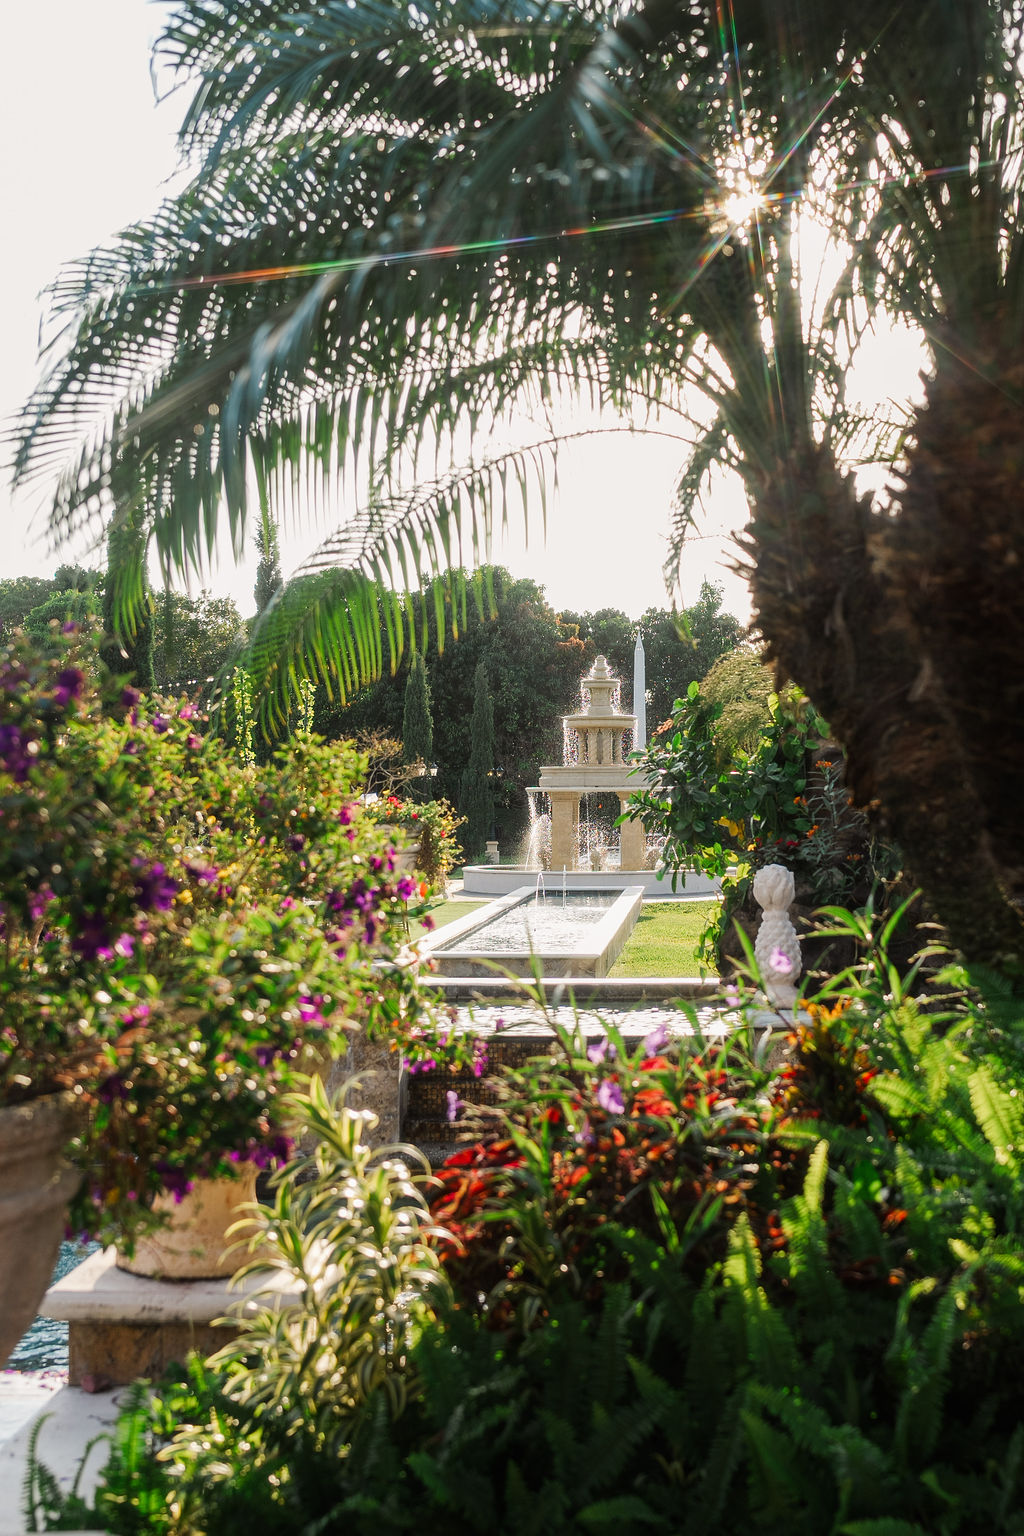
x=86 y=151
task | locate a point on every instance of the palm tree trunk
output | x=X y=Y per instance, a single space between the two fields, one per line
x=833 y=624
x=957 y=560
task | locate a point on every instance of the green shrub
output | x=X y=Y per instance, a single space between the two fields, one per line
x=729 y=812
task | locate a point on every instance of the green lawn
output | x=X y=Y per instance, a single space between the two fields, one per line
x=664 y=941
x=445 y=912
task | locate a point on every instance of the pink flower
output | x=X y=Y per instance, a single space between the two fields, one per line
x=656 y=1040
x=780 y=962
x=609 y=1096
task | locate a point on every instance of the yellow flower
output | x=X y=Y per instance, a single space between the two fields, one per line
x=732 y=827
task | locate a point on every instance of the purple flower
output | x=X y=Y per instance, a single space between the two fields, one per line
x=452 y=1105
x=193 y=741
x=732 y=995
x=295 y=842
x=130 y=697
x=609 y=1096
x=69 y=627
x=599 y=1050
x=479 y=1057
x=175 y=1180
x=345 y=815
x=112 y=1088
x=405 y=890
x=499 y=1023
x=266 y=1153
x=309 y=1010
x=155 y=889
x=656 y=1040
x=780 y=962
x=16 y=752
x=69 y=686
x=38 y=902
x=161 y=723
x=187 y=712
x=206 y=874
x=92 y=937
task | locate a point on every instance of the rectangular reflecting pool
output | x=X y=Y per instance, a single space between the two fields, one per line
x=572 y=933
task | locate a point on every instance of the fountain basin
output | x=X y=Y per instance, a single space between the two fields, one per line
x=564 y=933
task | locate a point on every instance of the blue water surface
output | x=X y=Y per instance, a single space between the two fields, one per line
x=45 y=1345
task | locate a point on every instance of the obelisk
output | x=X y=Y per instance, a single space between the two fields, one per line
x=639 y=694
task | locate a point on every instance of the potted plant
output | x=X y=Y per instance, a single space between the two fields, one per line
x=178 y=929
x=423 y=834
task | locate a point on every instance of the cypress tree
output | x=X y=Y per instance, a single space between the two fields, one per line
x=476 y=798
x=268 y=571
x=417 y=720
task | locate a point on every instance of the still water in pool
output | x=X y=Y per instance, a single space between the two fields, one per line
x=45 y=1345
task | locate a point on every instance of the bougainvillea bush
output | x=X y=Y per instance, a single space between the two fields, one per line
x=179 y=929
x=688 y=1293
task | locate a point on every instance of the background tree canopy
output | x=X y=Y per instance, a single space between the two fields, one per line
x=194 y=638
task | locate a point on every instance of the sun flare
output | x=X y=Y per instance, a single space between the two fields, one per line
x=742 y=207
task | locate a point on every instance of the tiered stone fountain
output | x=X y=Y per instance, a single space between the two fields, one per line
x=597 y=742
x=595 y=762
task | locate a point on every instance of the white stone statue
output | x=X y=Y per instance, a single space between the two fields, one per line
x=777 y=948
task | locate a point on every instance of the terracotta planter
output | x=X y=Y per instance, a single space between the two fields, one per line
x=36 y=1184
x=194 y=1243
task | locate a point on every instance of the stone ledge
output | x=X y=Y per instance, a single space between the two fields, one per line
x=98 y=1292
x=123 y=1326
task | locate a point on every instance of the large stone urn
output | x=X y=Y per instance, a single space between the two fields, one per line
x=36 y=1184
x=406 y=852
x=195 y=1243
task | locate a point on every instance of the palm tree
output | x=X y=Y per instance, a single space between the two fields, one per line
x=406 y=219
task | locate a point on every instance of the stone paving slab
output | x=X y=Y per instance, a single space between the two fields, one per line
x=74 y=1418
x=23 y=1394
